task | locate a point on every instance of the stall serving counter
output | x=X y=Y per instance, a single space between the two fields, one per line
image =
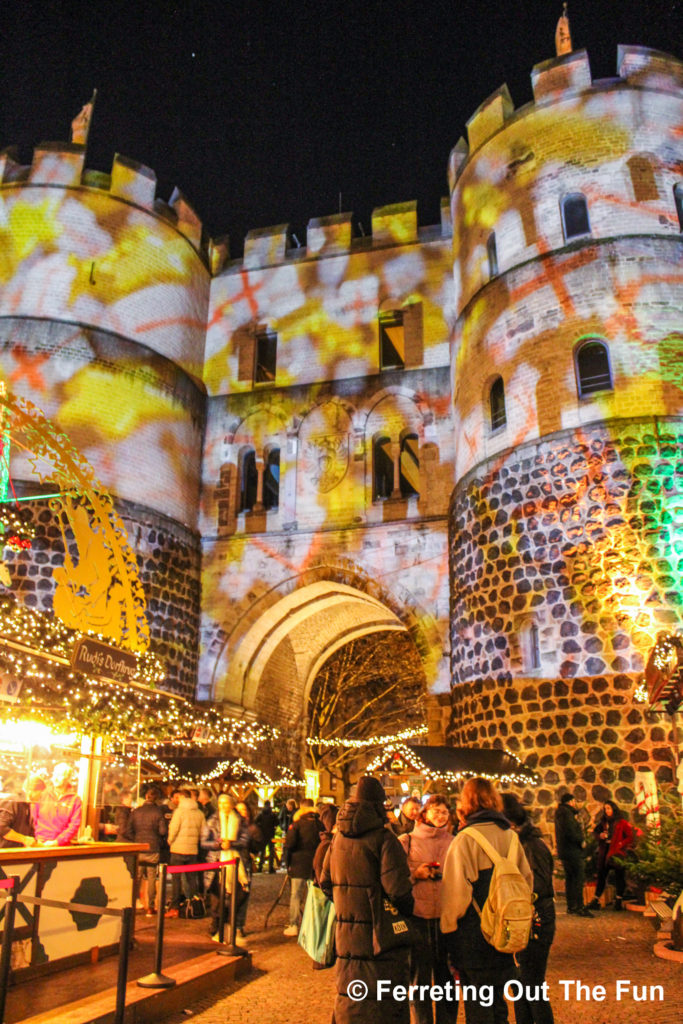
x=48 y=938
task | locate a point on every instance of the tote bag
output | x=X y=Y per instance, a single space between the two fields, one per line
x=316 y=934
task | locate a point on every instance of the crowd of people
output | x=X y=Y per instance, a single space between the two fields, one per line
x=431 y=866
x=435 y=869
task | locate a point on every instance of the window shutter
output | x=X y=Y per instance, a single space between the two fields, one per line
x=413 y=334
x=245 y=341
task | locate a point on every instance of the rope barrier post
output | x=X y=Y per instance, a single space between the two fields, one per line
x=231 y=948
x=6 y=955
x=221 y=905
x=122 y=978
x=157 y=979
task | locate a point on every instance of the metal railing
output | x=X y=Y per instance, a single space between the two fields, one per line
x=11 y=888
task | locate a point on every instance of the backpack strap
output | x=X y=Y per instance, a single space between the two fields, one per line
x=490 y=851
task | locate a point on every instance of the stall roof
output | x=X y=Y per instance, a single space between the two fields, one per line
x=233 y=770
x=453 y=763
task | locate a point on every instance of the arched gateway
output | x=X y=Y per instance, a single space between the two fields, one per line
x=272 y=669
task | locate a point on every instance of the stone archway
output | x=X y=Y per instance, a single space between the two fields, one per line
x=278 y=657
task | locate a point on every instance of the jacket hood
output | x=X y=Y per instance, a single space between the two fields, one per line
x=529 y=831
x=358 y=817
x=487 y=814
x=302 y=812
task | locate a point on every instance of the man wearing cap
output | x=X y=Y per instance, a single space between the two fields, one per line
x=364 y=864
x=570 y=842
x=16 y=815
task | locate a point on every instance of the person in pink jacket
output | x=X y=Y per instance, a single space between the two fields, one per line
x=426 y=847
x=58 y=815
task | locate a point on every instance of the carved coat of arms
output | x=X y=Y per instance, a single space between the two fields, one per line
x=327 y=460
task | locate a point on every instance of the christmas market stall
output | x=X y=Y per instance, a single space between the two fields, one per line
x=417 y=770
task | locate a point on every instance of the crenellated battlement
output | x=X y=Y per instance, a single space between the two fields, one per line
x=561 y=78
x=62 y=165
x=392 y=225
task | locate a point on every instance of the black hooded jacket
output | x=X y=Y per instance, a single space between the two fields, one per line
x=365 y=858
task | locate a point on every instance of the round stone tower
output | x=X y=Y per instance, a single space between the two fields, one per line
x=566 y=525
x=103 y=300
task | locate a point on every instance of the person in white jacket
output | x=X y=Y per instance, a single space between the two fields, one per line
x=184 y=831
x=466 y=876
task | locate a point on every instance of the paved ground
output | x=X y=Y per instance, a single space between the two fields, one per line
x=283 y=988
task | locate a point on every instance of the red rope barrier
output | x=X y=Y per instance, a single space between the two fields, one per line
x=214 y=865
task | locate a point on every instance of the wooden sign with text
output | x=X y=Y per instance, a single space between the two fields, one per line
x=97 y=659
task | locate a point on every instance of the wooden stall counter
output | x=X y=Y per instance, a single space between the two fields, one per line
x=95 y=874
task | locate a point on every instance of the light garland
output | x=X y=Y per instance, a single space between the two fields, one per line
x=416 y=764
x=37 y=651
x=372 y=741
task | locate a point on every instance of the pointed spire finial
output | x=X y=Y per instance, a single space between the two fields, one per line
x=563 y=36
x=80 y=126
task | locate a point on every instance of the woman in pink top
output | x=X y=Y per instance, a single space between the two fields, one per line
x=58 y=815
x=426 y=848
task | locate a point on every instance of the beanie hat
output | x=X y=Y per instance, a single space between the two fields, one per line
x=370 y=789
x=567 y=798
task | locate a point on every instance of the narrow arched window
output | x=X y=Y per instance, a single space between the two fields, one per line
x=492 y=253
x=593 y=372
x=531 y=647
x=497 y=404
x=409 y=468
x=248 y=480
x=575 y=216
x=678 y=200
x=382 y=469
x=271 y=479
x=642 y=178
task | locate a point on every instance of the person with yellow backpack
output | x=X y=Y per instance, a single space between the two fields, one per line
x=486 y=903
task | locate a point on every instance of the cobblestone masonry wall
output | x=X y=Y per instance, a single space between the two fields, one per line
x=168 y=563
x=566 y=561
x=583 y=734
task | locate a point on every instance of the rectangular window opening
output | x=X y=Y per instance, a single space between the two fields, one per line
x=392 y=340
x=266 y=358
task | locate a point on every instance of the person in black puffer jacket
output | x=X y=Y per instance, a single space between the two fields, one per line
x=534 y=959
x=147 y=824
x=301 y=842
x=365 y=861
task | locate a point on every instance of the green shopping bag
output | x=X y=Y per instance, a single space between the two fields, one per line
x=316 y=934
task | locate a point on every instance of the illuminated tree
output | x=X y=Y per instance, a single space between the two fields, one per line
x=372 y=687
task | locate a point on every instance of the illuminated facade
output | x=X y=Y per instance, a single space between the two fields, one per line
x=469 y=433
x=566 y=520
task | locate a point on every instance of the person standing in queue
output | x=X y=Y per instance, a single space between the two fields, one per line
x=364 y=864
x=569 y=843
x=467 y=873
x=301 y=842
x=615 y=835
x=147 y=824
x=426 y=848
x=408 y=815
x=533 y=960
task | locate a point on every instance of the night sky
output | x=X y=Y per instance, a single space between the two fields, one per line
x=263 y=112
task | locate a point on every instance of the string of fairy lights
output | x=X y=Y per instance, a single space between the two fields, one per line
x=37 y=651
x=370 y=741
x=406 y=754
